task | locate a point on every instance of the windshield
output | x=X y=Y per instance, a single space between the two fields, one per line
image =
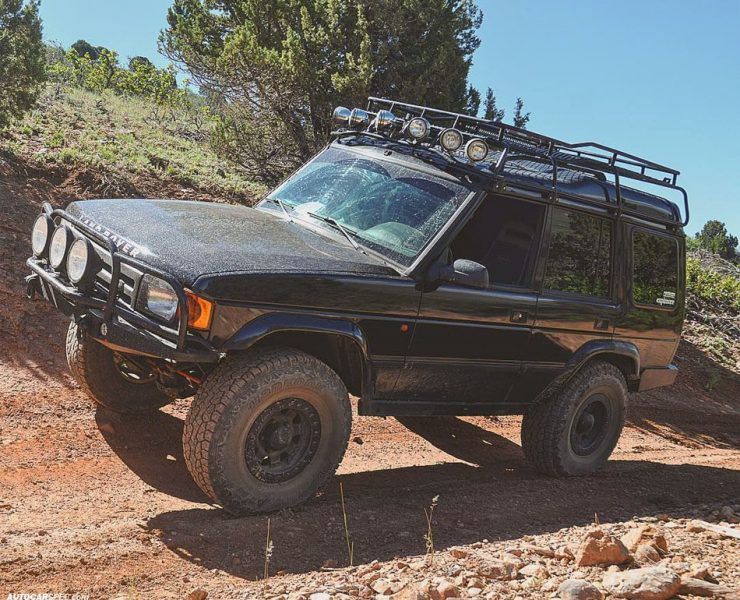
x=387 y=207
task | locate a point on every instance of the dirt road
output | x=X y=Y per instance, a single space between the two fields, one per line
x=92 y=502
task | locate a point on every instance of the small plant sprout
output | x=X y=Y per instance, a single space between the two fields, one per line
x=268 y=551
x=350 y=543
x=429 y=537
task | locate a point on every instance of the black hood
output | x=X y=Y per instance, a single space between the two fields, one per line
x=190 y=239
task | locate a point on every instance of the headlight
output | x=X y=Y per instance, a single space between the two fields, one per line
x=476 y=149
x=157 y=297
x=40 y=233
x=82 y=262
x=60 y=242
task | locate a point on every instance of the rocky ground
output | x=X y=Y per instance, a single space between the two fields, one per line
x=95 y=503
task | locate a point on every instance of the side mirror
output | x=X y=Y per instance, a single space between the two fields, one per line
x=465 y=272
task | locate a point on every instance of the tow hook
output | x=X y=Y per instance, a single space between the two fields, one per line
x=32 y=282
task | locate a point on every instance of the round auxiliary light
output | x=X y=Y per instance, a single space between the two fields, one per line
x=451 y=139
x=418 y=128
x=359 y=118
x=385 y=119
x=341 y=116
x=81 y=261
x=60 y=242
x=476 y=149
x=40 y=234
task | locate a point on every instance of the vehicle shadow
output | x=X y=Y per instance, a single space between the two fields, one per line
x=489 y=496
x=151 y=446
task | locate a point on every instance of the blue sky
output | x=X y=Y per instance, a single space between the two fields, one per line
x=657 y=78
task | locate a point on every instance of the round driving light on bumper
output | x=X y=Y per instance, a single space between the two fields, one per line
x=418 y=128
x=82 y=262
x=40 y=234
x=60 y=243
x=385 y=119
x=158 y=298
x=451 y=139
x=476 y=149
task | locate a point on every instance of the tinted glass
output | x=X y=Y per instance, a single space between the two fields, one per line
x=384 y=205
x=502 y=235
x=655 y=269
x=579 y=260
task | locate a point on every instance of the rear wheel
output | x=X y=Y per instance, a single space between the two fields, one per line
x=266 y=430
x=574 y=431
x=114 y=380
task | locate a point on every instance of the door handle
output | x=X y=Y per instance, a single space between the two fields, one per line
x=602 y=324
x=518 y=316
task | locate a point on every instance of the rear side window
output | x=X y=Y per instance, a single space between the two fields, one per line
x=655 y=269
x=579 y=260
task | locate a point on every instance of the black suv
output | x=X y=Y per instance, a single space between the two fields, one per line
x=427 y=262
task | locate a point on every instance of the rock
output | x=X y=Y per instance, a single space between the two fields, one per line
x=444 y=590
x=319 y=596
x=648 y=583
x=534 y=570
x=645 y=533
x=600 y=548
x=413 y=592
x=496 y=569
x=646 y=554
x=474 y=591
x=459 y=553
x=199 y=594
x=579 y=589
x=699 y=587
x=383 y=586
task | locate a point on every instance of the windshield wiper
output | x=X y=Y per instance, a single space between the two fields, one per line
x=337 y=225
x=281 y=204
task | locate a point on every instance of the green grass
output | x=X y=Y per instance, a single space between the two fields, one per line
x=127 y=136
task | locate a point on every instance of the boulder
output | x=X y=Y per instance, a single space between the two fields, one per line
x=600 y=548
x=579 y=589
x=647 y=583
x=199 y=594
x=444 y=590
x=492 y=568
x=646 y=554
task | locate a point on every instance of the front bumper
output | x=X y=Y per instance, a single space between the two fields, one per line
x=107 y=319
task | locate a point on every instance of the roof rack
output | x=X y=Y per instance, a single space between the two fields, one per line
x=586 y=156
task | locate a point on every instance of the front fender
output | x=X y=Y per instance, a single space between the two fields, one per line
x=267 y=325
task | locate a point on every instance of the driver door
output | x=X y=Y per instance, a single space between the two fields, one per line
x=469 y=345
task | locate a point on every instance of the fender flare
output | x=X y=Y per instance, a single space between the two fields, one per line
x=594 y=348
x=264 y=326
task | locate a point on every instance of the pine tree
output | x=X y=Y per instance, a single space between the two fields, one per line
x=520 y=117
x=491 y=112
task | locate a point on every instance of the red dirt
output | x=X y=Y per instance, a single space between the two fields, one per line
x=97 y=503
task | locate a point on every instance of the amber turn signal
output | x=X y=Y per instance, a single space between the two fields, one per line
x=200 y=311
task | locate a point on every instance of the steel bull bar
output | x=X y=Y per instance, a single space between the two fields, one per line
x=112 y=323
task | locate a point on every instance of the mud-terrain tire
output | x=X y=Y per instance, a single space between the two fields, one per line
x=266 y=430
x=94 y=367
x=574 y=431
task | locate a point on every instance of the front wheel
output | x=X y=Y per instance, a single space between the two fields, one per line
x=574 y=431
x=114 y=380
x=266 y=430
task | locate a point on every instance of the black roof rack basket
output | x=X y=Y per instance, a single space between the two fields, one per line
x=589 y=156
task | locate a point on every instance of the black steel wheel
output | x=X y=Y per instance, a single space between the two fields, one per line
x=574 y=431
x=266 y=429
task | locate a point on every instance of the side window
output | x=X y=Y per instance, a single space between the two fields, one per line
x=655 y=269
x=503 y=236
x=579 y=260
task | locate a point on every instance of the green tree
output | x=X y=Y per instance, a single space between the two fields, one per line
x=85 y=48
x=491 y=111
x=21 y=58
x=520 y=117
x=278 y=67
x=715 y=238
